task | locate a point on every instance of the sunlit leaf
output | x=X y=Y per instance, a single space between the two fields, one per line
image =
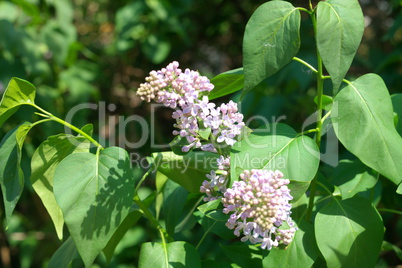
x=94 y=192
x=298 y=189
x=17 y=93
x=397 y=104
x=340 y=26
x=363 y=121
x=276 y=147
x=175 y=254
x=301 y=252
x=353 y=177
x=349 y=233
x=243 y=255
x=226 y=83
x=214 y=226
x=11 y=175
x=271 y=40
x=128 y=222
x=174 y=198
x=43 y=165
x=188 y=170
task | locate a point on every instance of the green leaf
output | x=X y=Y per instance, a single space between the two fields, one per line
x=213 y=210
x=301 y=252
x=226 y=83
x=188 y=170
x=17 y=93
x=64 y=255
x=276 y=147
x=128 y=222
x=399 y=189
x=11 y=175
x=340 y=26
x=217 y=227
x=211 y=205
x=298 y=189
x=160 y=182
x=271 y=40
x=22 y=132
x=243 y=255
x=363 y=121
x=204 y=133
x=215 y=264
x=387 y=246
x=352 y=177
x=349 y=233
x=95 y=194
x=174 y=198
x=88 y=129
x=326 y=102
x=175 y=254
x=397 y=104
x=43 y=165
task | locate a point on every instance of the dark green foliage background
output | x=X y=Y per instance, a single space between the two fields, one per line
x=89 y=51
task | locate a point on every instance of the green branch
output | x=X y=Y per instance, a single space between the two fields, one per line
x=51 y=117
x=320 y=89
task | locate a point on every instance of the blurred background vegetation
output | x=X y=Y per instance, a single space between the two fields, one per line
x=77 y=51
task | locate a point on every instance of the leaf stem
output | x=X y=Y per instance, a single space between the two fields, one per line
x=320 y=89
x=308 y=131
x=343 y=80
x=205 y=235
x=150 y=170
x=325 y=117
x=389 y=210
x=164 y=248
x=151 y=218
x=304 y=9
x=305 y=64
x=50 y=116
x=148 y=214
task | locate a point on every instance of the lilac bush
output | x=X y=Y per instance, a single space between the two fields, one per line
x=263 y=191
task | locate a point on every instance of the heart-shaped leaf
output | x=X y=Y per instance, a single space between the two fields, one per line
x=94 y=192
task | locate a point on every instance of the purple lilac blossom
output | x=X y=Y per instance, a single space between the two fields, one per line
x=259 y=205
x=183 y=91
x=216 y=185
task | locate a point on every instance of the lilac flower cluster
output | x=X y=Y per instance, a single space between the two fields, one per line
x=259 y=203
x=216 y=186
x=194 y=113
